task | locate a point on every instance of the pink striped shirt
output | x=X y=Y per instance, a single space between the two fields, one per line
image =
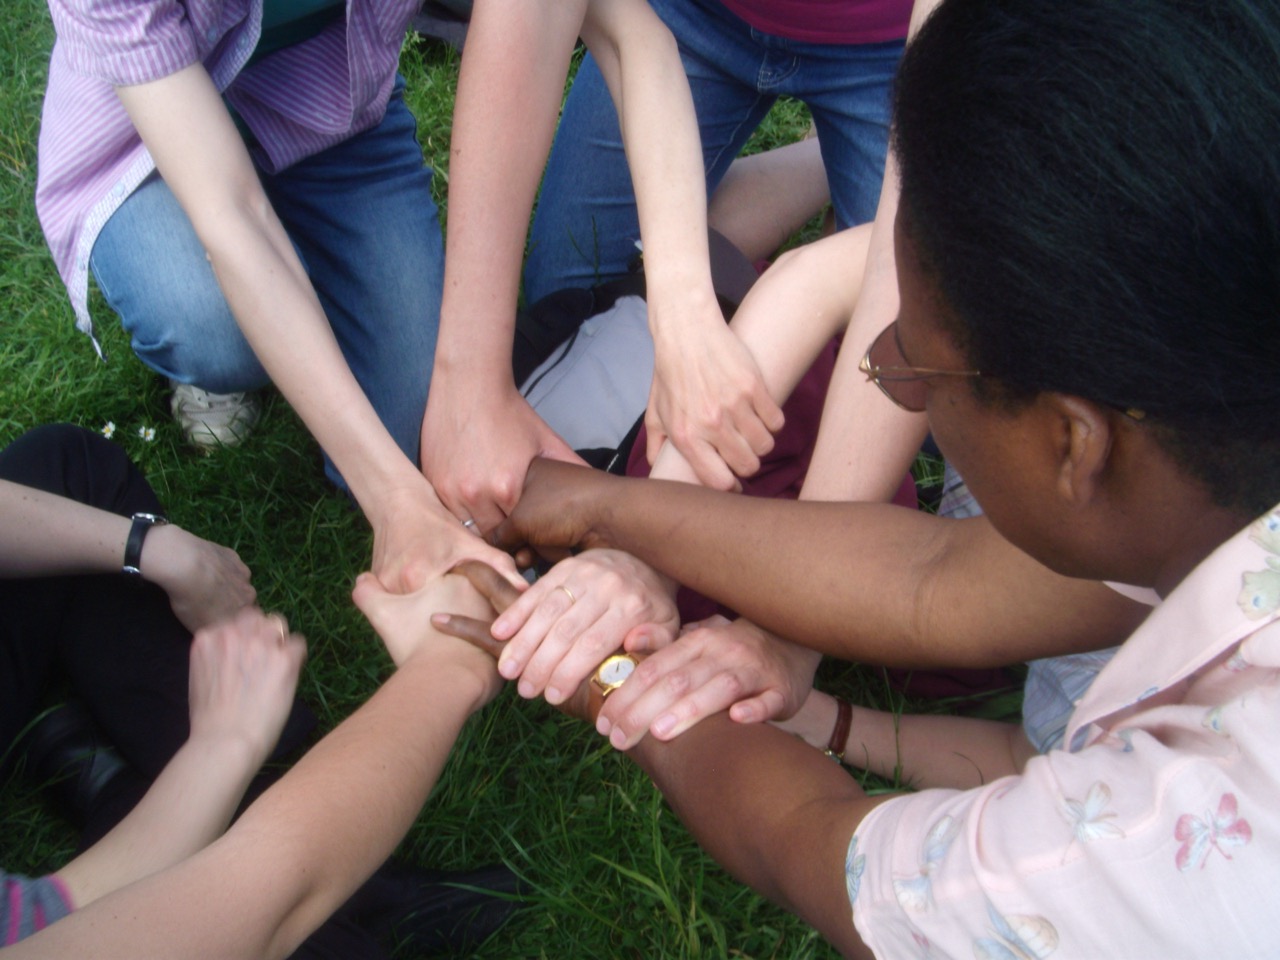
x=827 y=21
x=297 y=101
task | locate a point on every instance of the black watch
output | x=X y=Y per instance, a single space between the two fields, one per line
x=142 y=522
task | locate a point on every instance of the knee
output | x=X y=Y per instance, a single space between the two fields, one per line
x=198 y=343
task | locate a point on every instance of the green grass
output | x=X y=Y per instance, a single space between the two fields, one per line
x=611 y=872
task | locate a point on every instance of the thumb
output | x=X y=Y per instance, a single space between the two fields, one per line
x=368 y=593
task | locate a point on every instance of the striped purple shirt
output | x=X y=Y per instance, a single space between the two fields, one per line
x=297 y=102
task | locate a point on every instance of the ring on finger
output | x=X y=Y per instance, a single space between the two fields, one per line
x=568 y=593
x=470 y=524
x=280 y=626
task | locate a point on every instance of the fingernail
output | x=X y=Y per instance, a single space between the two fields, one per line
x=618 y=739
x=440 y=619
x=509 y=669
x=526 y=690
x=553 y=695
x=603 y=726
x=663 y=725
x=640 y=643
x=499 y=629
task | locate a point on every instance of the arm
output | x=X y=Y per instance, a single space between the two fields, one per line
x=479 y=434
x=43 y=534
x=860 y=581
x=707 y=390
x=243 y=674
x=866 y=444
x=202 y=158
x=303 y=847
x=920 y=750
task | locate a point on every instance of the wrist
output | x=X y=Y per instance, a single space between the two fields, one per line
x=140 y=527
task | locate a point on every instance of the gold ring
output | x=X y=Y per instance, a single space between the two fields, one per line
x=568 y=593
x=280 y=626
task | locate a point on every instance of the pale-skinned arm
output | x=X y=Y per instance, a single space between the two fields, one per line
x=43 y=534
x=305 y=845
x=243 y=675
x=201 y=156
x=708 y=393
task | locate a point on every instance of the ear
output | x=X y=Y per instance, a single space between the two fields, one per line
x=1086 y=448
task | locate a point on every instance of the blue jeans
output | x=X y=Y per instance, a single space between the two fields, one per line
x=586 y=225
x=363 y=222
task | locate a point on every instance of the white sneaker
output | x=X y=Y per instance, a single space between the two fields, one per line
x=212 y=420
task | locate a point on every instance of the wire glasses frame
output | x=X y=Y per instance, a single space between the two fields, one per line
x=884 y=365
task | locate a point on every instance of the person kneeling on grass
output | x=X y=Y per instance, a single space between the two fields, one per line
x=1088 y=252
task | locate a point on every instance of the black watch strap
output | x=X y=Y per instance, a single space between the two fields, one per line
x=142 y=522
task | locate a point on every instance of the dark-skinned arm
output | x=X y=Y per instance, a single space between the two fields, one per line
x=854 y=580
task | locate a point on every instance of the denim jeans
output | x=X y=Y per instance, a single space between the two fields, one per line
x=586 y=225
x=364 y=224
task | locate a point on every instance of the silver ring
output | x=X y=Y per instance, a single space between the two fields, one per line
x=471 y=525
x=568 y=593
x=280 y=626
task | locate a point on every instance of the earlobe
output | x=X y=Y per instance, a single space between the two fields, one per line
x=1086 y=450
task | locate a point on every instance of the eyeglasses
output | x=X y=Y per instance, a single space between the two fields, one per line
x=886 y=367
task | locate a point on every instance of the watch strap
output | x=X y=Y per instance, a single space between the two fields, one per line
x=840 y=732
x=142 y=523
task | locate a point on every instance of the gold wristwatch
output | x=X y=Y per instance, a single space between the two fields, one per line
x=613 y=673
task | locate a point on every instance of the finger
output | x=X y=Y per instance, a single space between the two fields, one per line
x=712 y=471
x=655 y=433
x=767 y=409
x=651 y=673
x=755 y=432
x=578 y=643
x=758 y=709
x=492 y=585
x=648 y=637
x=475 y=632
x=550 y=632
x=680 y=701
x=732 y=447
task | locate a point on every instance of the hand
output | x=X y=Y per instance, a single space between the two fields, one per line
x=554 y=508
x=709 y=397
x=415 y=540
x=205 y=582
x=243 y=675
x=501 y=595
x=405 y=624
x=578 y=613
x=476 y=447
x=716 y=664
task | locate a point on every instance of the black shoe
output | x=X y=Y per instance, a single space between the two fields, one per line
x=431 y=912
x=70 y=761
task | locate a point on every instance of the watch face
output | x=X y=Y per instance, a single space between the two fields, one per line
x=615 y=670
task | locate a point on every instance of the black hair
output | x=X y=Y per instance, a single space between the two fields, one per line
x=1094 y=188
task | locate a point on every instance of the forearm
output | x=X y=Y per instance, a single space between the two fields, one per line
x=197 y=149
x=860 y=581
x=43 y=534
x=916 y=750
x=640 y=62
x=865 y=443
x=187 y=808
x=302 y=848
x=775 y=813
x=509 y=93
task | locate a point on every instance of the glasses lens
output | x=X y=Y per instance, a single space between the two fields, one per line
x=892 y=375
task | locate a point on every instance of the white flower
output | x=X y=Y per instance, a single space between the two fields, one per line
x=147 y=433
x=109 y=430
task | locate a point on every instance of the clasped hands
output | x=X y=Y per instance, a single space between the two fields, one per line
x=551 y=637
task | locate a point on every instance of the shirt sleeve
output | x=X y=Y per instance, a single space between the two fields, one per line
x=30 y=905
x=125 y=42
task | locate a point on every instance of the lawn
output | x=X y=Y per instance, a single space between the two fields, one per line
x=611 y=873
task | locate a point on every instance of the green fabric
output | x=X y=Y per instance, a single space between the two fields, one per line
x=286 y=22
